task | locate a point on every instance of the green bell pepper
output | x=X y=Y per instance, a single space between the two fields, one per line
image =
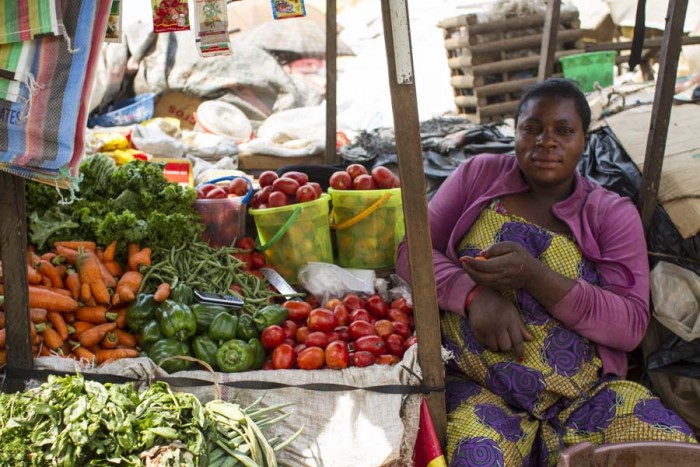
x=258 y=353
x=246 y=328
x=234 y=356
x=176 y=320
x=150 y=334
x=182 y=293
x=165 y=348
x=205 y=348
x=205 y=314
x=141 y=310
x=224 y=327
x=270 y=315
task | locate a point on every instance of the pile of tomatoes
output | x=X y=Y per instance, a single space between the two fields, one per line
x=356 y=177
x=234 y=188
x=292 y=187
x=351 y=331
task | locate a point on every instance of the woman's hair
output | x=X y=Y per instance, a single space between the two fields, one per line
x=561 y=88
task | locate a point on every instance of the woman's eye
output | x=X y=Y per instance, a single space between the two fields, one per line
x=566 y=131
x=531 y=129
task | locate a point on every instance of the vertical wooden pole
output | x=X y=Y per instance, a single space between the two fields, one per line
x=13 y=250
x=549 y=40
x=331 y=82
x=661 y=111
x=410 y=156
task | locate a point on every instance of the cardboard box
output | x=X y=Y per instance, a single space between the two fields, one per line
x=259 y=162
x=178 y=105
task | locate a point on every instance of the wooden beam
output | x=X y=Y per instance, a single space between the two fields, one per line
x=549 y=39
x=626 y=45
x=13 y=251
x=331 y=82
x=661 y=111
x=415 y=205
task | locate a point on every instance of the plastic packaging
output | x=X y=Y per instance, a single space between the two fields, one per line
x=224 y=218
x=590 y=68
x=325 y=281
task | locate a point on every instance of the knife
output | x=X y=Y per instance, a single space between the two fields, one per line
x=278 y=282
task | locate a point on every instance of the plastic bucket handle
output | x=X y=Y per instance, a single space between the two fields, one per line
x=362 y=215
x=283 y=230
x=248 y=195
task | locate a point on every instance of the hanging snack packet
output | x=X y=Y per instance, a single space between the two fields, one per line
x=170 y=15
x=114 y=23
x=211 y=28
x=282 y=9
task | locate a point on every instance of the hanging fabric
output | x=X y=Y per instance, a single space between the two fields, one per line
x=638 y=37
x=170 y=15
x=282 y=9
x=22 y=20
x=211 y=28
x=114 y=23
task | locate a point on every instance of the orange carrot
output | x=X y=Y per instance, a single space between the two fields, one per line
x=3 y=357
x=48 y=256
x=99 y=253
x=45 y=352
x=62 y=271
x=48 y=299
x=2 y=320
x=37 y=339
x=49 y=270
x=109 y=252
x=113 y=268
x=85 y=292
x=37 y=315
x=69 y=318
x=138 y=258
x=95 y=314
x=64 y=292
x=73 y=283
x=125 y=339
x=94 y=335
x=51 y=338
x=89 y=270
x=107 y=277
x=3 y=338
x=80 y=327
x=33 y=276
x=94 y=347
x=162 y=292
x=69 y=255
x=74 y=245
x=59 y=324
x=102 y=356
x=110 y=341
x=128 y=286
x=121 y=318
x=46 y=281
x=83 y=354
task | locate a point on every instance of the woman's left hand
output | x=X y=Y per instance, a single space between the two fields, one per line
x=507 y=266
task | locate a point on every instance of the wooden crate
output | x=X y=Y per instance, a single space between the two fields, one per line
x=491 y=62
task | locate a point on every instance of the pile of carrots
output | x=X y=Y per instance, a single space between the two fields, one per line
x=78 y=297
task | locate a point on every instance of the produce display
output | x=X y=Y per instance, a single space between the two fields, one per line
x=356 y=177
x=292 y=187
x=73 y=421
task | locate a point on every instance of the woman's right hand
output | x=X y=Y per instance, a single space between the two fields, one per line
x=497 y=324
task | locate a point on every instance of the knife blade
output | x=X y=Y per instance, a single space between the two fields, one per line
x=278 y=282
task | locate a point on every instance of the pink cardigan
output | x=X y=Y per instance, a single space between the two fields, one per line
x=606 y=227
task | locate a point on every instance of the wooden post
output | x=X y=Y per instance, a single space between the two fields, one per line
x=13 y=251
x=410 y=156
x=331 y=82
x=549 y=40
x=661 y=111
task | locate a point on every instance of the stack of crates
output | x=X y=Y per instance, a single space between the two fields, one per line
x=491 y=62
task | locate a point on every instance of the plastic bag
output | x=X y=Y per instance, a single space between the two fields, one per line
x=325 y=281
x=675 y=292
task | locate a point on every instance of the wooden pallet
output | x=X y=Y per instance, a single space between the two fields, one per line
x=491 y=62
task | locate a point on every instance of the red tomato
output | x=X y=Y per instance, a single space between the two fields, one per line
x=401 y=304
x=257 y=274
x=410 y=341
x=245 y=258
x=387 y=360
x=395 y=345
x=278 y=199
x=201 y=195
x=257 y=260
x=237 y=288
x=397 y=315
x=332 y=303
x=374 y=344
x=266 y=178
x=311 y=358
x=298 y=348
x=283 y=357
x=364 y=182
x=340 y=180
x=290 y=329
x=317 y=188
x=302 y=332
x=343 y=332
x=298 y=311
x=401 y=329
x=205 y=189
x=383 y=177
x=341 y=314
x=305 y=193
x=359 y=329
x=334 y=336
x=268 y=365
x=317 y=339
x=337 y=355
x=217 y=193
x=238 y=187
x=255 y=202
x=376 y=306
x=264 y=193
x=322 y=320
x=355 y=170
x=384 y=328
x=352 y=302
x=397 y=183
x=272 y=336
x=359 y=315
x=313 y=301
x=288 y=186
x=363 y=358
x=246 y=243
x=300 y=177
x=290 y=342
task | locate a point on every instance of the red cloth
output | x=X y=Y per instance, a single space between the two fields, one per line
x=428 y=451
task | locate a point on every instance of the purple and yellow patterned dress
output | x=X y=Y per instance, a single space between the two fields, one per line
x=502 y=412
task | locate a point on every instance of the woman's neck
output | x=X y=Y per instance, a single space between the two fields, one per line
x=550 y=195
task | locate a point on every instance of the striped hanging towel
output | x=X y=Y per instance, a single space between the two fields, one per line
x=23 y=20
x=41 y=136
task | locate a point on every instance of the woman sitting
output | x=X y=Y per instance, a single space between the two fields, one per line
x=543 y=280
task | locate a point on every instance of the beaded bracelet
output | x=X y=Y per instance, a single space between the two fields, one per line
x=470 y=297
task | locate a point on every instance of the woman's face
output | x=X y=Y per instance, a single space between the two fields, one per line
x=549 y=140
